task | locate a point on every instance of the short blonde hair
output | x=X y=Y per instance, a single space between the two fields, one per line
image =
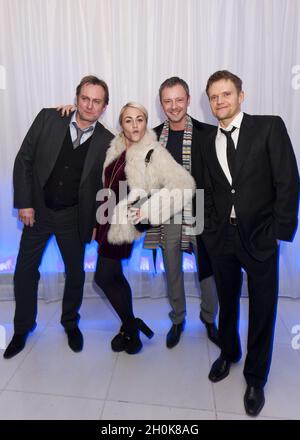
x=133 y=105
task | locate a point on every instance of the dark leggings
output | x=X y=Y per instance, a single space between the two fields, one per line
x=110 y=278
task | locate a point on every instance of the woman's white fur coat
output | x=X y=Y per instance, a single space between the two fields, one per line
x=162 y=174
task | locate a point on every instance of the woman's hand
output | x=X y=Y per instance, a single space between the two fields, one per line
x=65 y=110
x=135 y=215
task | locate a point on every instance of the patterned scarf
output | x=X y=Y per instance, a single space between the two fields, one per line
x=155 y=236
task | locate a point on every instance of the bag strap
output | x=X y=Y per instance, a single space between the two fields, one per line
x=148 y=156
x=147 y=160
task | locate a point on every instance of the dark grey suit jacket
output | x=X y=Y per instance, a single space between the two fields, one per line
x=36 y=159
x=265 y=188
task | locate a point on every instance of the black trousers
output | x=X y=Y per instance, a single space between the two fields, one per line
x=263 y=295
x=110 y=278
x=64 y=225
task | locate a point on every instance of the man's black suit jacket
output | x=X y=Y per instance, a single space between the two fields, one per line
x=200 y=132
x=36 y=159
x=264 y=191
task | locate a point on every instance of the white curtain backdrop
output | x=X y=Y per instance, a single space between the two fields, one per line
x=46 y=46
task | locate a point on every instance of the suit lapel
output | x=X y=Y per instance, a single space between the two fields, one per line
x=213 y=161
x=54 y=145
x=244 y=145
x=95 y=152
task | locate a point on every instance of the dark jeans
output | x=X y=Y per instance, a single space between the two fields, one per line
x=110 y=278
x=64 y=225
x=263 y=294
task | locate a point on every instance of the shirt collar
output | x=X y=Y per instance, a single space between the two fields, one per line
x=73 y=119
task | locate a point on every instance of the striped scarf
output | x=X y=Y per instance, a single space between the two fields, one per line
x=155 y=236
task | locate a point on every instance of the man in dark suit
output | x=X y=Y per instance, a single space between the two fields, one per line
x=251 y=184
x=182 y=135
x=57 y=174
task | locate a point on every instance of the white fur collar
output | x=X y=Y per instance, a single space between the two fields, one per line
x=117 y=146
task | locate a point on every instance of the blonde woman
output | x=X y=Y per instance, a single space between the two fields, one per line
x=137 y=160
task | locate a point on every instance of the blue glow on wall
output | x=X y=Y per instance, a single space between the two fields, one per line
x=141 y=259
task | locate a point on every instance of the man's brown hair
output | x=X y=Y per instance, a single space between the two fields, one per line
x=224 y=74
x=174 y=81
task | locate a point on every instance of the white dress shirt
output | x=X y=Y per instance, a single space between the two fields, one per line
x=86 y=135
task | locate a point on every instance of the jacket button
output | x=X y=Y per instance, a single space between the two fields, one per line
x=233 y=191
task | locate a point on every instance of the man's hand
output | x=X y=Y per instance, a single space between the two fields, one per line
x=26 y=215
x=65 y=110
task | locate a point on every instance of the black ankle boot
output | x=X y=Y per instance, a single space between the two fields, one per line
x=144 y=328
x=133 y=344
x=118 y=342
x=129 y=340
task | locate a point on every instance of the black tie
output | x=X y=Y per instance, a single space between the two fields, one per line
x=230 y=150
x=80 y=133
